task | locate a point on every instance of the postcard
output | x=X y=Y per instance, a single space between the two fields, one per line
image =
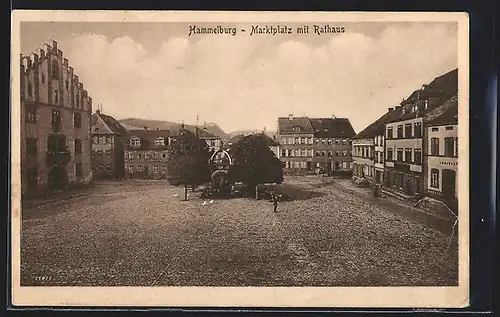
x=240 y=159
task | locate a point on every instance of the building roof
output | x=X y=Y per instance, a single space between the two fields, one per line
x=332 y=128
x=378 y=127
x=111 y=123
x=202 y=133
x=147 y=138
x=444 y=114
x=286 y=125
x=424 y=100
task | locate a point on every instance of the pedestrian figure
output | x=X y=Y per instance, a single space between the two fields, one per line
x=275 y=201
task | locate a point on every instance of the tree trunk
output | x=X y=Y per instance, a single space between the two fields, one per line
x=185 y=192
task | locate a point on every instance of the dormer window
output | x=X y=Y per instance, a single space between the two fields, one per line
x=296 y=129
x=159 y=141
x=135 y=141
x=325 y=130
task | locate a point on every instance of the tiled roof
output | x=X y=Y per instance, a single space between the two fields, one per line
x=110 y=122
x=440 y=89
x=148 y=137
x=444 y=114
x=377 y=127
x=332 y=128
x=202 y=133
x=286 y=125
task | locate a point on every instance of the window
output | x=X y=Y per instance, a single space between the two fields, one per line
x=163 y=169
x=296 y=129
x=408 y=155
x=337 y=153
x=435 y=129
x=418 y=129
x=159 y=141
x=449 y=147
x=303 y=152
x=99 y=154
x=139 y=168
x=55 y=69
x=389 y=133
x=344 y=165
x=283 y=140
x=344 y=153
x=283 y=153
x=296 y=152
x=155 y=169
x=164 y=155
x=43 y=78
x=408 y=134
x=110 y=139
x=449 y=128
x=290 y=140
x=77 y=120
x=435 y=146
x=309 y=153
x=344 y=142
x=108 y=153
x=77 y=100
x=31 y=146
x=95 y=140
x=102 y=140
x=318 y=153
x=78 y=170
x=56 y=96
x=400 y=131
x=31 y=114
x=417 y=159
x=135 y=141
x=147 y=155
x=400 y=155
x=297 y=140
x=78 y=146
x=130 y=169
x=56 y=117
x=323 y=141
x=435 y=178
x=337 y=141
x=323 y=153
x=330 y=142
x=302 y=140
x=30 y=90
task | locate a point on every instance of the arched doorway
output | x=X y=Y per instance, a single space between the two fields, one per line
x=57 y=178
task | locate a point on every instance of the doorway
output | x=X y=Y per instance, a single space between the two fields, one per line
x=449 y=181
x=57 y=178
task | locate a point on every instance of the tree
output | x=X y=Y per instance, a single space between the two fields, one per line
x=254 y=163
x=188 y=160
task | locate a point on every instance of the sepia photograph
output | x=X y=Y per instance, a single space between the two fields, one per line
x=240 y=159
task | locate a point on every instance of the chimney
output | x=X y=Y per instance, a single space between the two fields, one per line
x=390 y=109
x=334 y=116
x=290 y=116
x=145 y=128
x=157 y=129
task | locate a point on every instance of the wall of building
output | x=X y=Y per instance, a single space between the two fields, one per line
x=440 y=161
x=46 y=93
x=293 y=144
x=146 y=163
x=363 y=151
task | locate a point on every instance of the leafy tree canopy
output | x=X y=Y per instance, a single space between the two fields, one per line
x=254 y=162
x=188 y=159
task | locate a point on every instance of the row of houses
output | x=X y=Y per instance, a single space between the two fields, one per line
x=412 y=150
x=314 y=145
x=118 y=152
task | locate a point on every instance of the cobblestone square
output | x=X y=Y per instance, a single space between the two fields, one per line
x=141 y=233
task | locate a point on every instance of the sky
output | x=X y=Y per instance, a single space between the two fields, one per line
x=156 y=71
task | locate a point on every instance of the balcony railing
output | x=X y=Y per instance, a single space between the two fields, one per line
x=58 y=157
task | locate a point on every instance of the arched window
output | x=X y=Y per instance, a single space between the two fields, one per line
x=56 y=96
x=30 y=90
x=55 y=69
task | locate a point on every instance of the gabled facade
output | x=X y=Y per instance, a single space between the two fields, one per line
x=146 y=153
x=296 y=137
x=55 y=123
x=108 y=138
